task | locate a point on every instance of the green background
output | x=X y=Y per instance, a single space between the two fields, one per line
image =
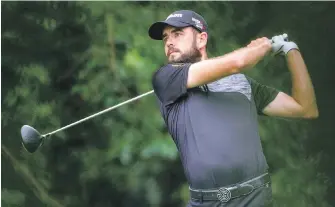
x=63 y=61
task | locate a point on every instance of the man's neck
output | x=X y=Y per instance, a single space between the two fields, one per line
x=204 y=56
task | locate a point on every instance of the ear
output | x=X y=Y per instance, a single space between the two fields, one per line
x=202 y=40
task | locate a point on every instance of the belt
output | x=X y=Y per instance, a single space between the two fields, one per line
x=225 y=194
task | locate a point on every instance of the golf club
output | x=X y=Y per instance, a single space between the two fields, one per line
x=32 y=139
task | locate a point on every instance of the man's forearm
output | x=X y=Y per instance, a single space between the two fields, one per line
x=209 y=70
x=302 y=87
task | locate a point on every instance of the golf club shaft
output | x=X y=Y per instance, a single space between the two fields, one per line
x=99 y=113
x=106 y=110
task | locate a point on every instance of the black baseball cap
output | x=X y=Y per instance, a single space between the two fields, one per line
x=180 y=19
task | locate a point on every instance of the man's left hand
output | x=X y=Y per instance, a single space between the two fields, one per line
x=281 y=45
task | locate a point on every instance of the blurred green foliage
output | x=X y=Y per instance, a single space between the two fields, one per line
x=62 y=61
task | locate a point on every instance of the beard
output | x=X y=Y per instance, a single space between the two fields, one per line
x=193 y=55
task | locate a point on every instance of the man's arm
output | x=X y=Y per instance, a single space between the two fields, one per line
x=171 y=81
x=302 y=103
x=210 y=70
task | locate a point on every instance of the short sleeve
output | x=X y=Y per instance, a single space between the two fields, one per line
x=170 y=82
x=262 y=94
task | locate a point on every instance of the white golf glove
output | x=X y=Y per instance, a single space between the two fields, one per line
x=281 y=45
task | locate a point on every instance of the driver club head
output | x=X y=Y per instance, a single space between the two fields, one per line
x=31 y=138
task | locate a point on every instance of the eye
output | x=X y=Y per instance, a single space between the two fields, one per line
x=164 y=39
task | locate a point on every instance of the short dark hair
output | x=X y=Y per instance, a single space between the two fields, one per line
x=195 y=30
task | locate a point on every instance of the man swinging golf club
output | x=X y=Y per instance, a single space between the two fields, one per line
x=210 y=109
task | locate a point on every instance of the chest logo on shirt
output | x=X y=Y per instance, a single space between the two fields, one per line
x=176 y=65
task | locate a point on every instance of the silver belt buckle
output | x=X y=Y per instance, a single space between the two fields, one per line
x=224 y=195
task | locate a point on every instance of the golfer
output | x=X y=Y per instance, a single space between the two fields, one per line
x=210 y=109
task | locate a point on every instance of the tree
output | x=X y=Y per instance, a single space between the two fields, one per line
x=63 y=61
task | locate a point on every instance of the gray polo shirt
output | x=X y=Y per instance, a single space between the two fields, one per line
x=215 y=130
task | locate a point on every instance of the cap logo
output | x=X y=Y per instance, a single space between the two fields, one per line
x=174 y=15
x=196 y=20
x=198 y=23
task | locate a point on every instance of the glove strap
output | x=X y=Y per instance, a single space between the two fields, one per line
x=290 y=46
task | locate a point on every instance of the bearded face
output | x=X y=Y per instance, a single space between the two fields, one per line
x=180 y=45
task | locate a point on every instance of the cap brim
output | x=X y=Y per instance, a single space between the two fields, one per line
x=156 y=29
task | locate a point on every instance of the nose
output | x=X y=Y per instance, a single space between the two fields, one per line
x=169 y=42
x=168 y=46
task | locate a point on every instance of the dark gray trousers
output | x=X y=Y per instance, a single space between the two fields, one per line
x=261 y=197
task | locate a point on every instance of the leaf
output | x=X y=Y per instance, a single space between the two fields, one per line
x=12 y=197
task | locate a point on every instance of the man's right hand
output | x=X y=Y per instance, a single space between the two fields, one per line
x=262 y=42
x=258 y=49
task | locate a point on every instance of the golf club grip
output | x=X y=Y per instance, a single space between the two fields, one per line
x=101 y=112
x=284 y=35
